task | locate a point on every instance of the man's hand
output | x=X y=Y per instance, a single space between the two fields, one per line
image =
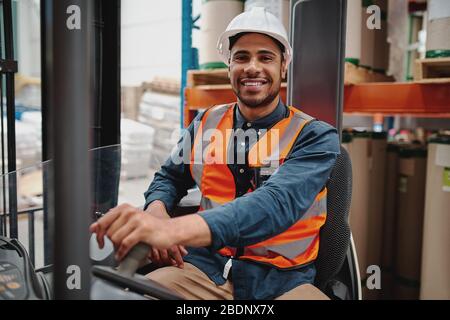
x=170 y=257
x=126 y=226
x=162 y=257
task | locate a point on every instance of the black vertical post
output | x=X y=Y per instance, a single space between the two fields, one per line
x=31 y=242
x=73 y=101
x=316 y=74
x=109 y=111
x=46 y=7
x=97 y=55
x=106 y=114
x=11 y=124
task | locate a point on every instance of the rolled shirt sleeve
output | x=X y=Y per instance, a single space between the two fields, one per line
x=284 y=198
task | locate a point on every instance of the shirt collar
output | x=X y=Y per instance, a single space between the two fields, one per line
x=262 y=123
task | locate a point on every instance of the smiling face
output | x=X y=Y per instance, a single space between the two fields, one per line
x=256 y=70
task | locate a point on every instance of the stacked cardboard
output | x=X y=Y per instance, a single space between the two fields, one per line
x=137 y=146
x=28 y=141
x=162 y=112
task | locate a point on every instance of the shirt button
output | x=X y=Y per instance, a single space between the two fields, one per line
x=243 y=144
x=241 y=170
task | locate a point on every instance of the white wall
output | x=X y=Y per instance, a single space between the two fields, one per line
x=28 y=37
x=151 y=40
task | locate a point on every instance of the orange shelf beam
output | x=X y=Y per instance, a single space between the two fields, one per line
x=398 y=98
x=415 y=99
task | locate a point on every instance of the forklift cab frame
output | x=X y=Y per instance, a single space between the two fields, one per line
x=81 y=100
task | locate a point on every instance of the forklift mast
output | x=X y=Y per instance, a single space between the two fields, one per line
x=316 y=74
x=81 y=111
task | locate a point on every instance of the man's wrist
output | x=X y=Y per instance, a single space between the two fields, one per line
x=189 y=230
x=171 y=230
x=158 y=209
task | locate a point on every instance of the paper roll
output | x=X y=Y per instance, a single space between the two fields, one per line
x=389 y=222
x=438 y=34
x=359 y=151
x=435 y=276
x=353 y=37
x=376 y=204
x=411 y=199
x=215 y=17
x=367 y=41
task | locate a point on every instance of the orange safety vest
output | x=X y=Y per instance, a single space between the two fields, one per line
x=292 y=248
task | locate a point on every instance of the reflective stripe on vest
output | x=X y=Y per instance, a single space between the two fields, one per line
x=296 y=246
x=287 y=131
x=292 y=248
x=210 y=138
x=206 y=204
x=210 y=120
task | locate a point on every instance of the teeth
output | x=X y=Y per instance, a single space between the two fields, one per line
x=253 y=84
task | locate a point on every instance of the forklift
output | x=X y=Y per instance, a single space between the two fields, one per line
x=82 y=158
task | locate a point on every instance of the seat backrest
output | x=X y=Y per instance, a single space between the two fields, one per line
x=335 y=233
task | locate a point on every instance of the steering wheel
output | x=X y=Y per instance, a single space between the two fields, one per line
x=125 y=276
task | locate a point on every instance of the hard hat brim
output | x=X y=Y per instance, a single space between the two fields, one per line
x=223 y=43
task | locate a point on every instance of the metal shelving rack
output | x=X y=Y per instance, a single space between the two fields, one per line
x=406 y=98
x=429 y=100
x=188 y=53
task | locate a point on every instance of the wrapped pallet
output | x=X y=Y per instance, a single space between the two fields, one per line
x=137 y=145
x=389 y=221
x=411 y=198
x=162 y=112
x=28 y=143
x=435 y=276
x=130 y=97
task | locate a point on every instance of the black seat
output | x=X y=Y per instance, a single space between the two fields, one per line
x=336 y=267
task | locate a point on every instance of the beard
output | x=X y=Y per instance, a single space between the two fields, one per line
x=259 y=102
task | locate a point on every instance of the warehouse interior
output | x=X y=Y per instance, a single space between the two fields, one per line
x=126 y=86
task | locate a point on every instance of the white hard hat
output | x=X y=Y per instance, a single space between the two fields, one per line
x=259 y=20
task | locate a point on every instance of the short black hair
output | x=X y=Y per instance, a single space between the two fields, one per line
x=236 y=37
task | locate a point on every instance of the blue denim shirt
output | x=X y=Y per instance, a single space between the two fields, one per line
x=259 y=215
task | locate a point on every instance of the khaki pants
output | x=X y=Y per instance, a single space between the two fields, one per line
x=193 y=284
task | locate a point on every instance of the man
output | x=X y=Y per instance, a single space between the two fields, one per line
x=256 y=235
